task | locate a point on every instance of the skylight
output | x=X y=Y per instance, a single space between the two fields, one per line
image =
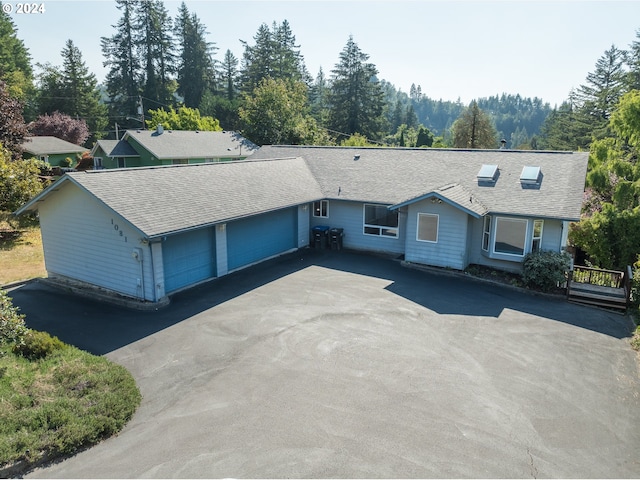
x=530 y=175
x=488 y=173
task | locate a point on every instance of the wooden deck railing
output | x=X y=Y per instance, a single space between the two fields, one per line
x=596 y=276
x=607 y=288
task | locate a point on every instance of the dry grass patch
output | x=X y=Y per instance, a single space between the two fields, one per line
x=21 y=255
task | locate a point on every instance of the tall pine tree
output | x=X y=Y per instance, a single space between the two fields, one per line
x=603 y=89
x=196 y=72
x=73 y=91
x=356 y=97
x=124 y=78
x=274 y=55
x=155 y=44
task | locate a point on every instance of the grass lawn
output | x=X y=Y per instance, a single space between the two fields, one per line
x=59 y=404
x=21 y=255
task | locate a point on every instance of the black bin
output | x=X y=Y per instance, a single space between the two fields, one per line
x=335 y=238
x=319 y=235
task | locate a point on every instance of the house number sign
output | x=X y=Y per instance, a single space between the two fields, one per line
x=119 y=232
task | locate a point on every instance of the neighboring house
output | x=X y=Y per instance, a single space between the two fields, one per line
x=149 y=232
x=51 y=149
x=146 y=148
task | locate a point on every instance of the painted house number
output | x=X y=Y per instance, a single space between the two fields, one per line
x=116 y=228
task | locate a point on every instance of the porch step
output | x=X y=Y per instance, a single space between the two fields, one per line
x=597 y=295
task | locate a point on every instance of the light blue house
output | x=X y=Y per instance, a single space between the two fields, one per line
x=152 y=231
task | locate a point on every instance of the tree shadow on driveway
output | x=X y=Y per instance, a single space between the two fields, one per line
x=100 y=327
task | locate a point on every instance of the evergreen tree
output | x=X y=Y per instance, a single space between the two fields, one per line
x=155 y=44
x=72 y=90
x=566 y=128
x=124 y=78
x=220 y=107
x=229 y=73
x=602 y=90
x=425 y=137
x=195 y=65
x=633 y=62
x=274 y=55
x=319 y=98
x=356 y=97
x=15 y=61
x=474 y=129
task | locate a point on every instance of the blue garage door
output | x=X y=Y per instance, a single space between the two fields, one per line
x=256 y=238
x=188 y=258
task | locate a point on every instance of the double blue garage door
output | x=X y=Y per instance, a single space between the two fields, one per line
x=190 y=257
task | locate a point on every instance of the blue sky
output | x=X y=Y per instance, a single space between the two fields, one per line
x=452 y=49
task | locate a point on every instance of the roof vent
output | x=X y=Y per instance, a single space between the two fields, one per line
x=356 y=157
x=530 y=176
x=488 y=174
x=160 y=129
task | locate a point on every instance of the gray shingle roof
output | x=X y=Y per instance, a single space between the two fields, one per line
x=47 y=145
x=396 y=175
x=174 y=144
x=164 y=200
x=161 y=200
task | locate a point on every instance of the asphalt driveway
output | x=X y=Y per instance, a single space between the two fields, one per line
x=333 y=364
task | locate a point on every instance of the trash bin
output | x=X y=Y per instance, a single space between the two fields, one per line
x=319 y=235
x=335 y=238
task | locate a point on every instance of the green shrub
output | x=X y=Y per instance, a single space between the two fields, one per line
x=12 y=327
x=37 y=345
x=545 y=270
x=66 y=162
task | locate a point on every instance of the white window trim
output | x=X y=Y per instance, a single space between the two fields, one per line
x=486 y=230
x=495 y=231
x=533 y=233
x=326 y=202
x=420 y=214
x=380 y=227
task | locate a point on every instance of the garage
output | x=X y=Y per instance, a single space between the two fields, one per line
x=252 y=239
x=188 y=258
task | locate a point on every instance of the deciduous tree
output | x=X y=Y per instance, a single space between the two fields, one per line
x=184 y=118
x=12 y=126
x=277 y=113
x=61 y=126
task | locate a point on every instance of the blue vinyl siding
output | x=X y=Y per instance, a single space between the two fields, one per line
x=188 y=258
x=450 y=249
x=350 y=217
x=256 y=238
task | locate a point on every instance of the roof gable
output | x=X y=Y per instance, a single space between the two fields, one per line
x=163 y=200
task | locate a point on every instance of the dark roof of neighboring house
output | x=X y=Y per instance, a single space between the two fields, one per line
x=115 y=148
x=175 y=144
x=164 y=200
x=396 y=176
x=47 y=145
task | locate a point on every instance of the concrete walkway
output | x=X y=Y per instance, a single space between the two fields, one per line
x=333 y=364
